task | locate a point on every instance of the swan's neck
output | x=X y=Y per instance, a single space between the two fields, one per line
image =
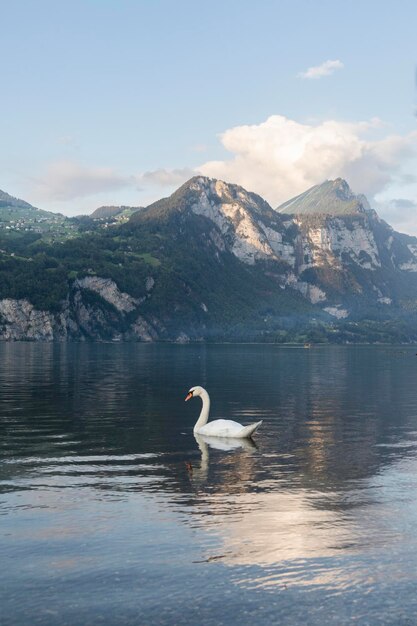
x=205 y=410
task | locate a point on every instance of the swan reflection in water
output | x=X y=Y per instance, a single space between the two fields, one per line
x=199 y=473
x=224 y=443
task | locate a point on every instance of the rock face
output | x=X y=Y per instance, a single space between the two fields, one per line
x=332 y=240
x=80 y=318
x=108 y=290
x=19 y=320
x=236 y=213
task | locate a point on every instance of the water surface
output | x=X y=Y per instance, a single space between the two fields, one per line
x=112 y=513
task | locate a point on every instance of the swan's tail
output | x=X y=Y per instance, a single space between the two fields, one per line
x=248 y=431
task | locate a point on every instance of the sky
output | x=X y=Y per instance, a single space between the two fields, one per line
x=118 y=102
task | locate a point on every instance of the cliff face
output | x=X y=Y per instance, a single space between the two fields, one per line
x=19 y=320
x=94 y=310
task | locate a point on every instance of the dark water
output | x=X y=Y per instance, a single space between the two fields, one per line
x=110 y=512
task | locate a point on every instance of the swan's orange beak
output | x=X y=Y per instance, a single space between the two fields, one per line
x=189 y=395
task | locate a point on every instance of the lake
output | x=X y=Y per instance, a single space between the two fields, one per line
x=112 y=513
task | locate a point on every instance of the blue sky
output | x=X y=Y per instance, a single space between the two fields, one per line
x=119 y=101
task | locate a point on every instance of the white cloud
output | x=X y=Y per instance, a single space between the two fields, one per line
x=281 y=158
x=325 y=69
x=67 y=180
x=167 y=178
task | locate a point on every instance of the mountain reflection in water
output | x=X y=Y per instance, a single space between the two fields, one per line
x=112 y=512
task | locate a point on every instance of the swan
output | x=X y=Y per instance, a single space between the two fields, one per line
x=218 y=428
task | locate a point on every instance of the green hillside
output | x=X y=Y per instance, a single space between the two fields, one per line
x=333 y=197
x=18 y=219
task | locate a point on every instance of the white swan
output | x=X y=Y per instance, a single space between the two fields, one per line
x=218 y=428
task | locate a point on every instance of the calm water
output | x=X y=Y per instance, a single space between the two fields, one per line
x=112 y=513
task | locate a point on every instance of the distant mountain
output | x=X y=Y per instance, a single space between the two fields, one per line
x=6 y=200
x=334 y=249
x=9 y=205
x=22 y=222
x=236 y=214
x=216 y=262
x=106 y=212
x=333 y=197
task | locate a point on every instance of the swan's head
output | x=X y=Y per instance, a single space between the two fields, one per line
x=194 y=392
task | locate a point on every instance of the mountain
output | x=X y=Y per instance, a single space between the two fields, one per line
x=333 y=197
x=332 y=247
x=241 y=218
x=8 y=201
x=216 y=262
x=24 y=221
x=106 y=212
x=356 y=259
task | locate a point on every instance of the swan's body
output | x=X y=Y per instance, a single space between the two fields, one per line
x=218 y=428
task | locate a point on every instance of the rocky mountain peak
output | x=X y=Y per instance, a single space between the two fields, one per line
x=219 y=192
x=201 y=191
x=332 y=197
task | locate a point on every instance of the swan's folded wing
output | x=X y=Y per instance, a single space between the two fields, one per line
x=221 y=428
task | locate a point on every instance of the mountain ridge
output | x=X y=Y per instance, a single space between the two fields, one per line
x=332 y=197
x=216 y=262
x=6 y=200
x=109 y=211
